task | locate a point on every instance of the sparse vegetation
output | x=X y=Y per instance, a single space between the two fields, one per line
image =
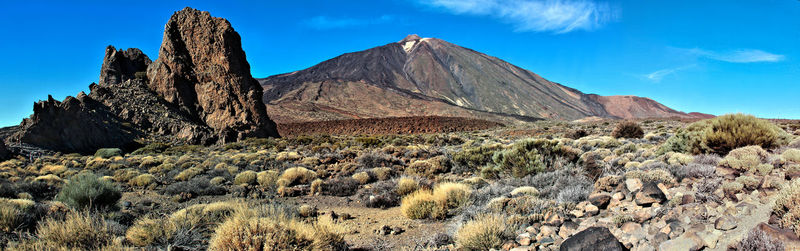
x=86 y=190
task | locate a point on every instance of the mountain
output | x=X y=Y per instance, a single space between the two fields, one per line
x=198 y=91
x=428 y=76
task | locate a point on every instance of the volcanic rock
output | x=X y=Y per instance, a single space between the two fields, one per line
x=122 y=65
x=4 y=153
x=203 y=70
x=649 y=194
x=593 y=238
x=129 y=97
x=77 y=124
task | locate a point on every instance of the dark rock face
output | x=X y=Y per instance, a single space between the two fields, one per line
x=593 y=238
x=129 y=97
x=4 y=154
x=203 y=70
x=77 y=124
x=122 y=65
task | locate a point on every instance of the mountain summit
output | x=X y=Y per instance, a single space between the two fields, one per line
x=429 y=76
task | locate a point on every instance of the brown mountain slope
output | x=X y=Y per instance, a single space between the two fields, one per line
x=428 y=76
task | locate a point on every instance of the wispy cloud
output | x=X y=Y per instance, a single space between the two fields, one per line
x=328 y=23
x=559 y=16
x=658 y=75
x=738 y=56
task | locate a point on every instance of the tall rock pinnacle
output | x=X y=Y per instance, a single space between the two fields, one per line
x=203 y=70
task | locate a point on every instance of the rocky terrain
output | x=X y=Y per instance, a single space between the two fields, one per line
x=401 y=125
x=432 y=77
x=198 y=91
x=549 y=185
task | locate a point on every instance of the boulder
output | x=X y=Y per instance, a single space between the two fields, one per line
x=649 y=194
x=202 y=69
x=593 y=238
x=725 y=223
x=600 y=200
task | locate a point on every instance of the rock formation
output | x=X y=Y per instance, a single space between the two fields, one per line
x=203 y=70
x=198 y=91
x=77 y=124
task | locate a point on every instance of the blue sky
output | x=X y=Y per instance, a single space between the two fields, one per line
x=713 y=56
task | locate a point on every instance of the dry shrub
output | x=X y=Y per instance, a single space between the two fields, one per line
x=267 y=178
x=485 y=232
x=142 y=180
x=86 y=190
x=750 y=182
x=297 y=175
x=78 y=230
x=204 y=215
x=525 y=190
x=745 y=159
x=628 y=129
x=407 y=185
x=382 y=173
x=251 y=231
x=247 y=177
x=188 y=173
x=418 y=205
x=791 y=155
x=147 y=230
x=362 y=177
x=435 y=204
x=12 y=213
x=757 y=240
x=787 y=206
x=732 y=188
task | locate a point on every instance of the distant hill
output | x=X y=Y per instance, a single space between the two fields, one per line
x=432 y=77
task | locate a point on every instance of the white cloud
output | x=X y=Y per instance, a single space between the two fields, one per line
x=738 y=56
x=327 y=23
x=658 y=75
x=559 y=16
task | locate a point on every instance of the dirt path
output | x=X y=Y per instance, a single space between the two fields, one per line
x=760 y=214
x=366 y=220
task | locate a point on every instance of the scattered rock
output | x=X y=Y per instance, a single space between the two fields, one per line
x=524 y=239
x=387 y=230
x=600 y=200
x=593 y=238
x=650 y=193
x=591 y=210
x=633 y=184
x=725 y=223
x=552 y=219
x=680 y=243
x=631 y=227
x=709 y=238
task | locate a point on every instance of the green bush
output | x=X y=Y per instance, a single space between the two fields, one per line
x=86 y=190
x=474 y=158
x=533 y=156
x=108 y=152
x=724 y=133
x=152 y=148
